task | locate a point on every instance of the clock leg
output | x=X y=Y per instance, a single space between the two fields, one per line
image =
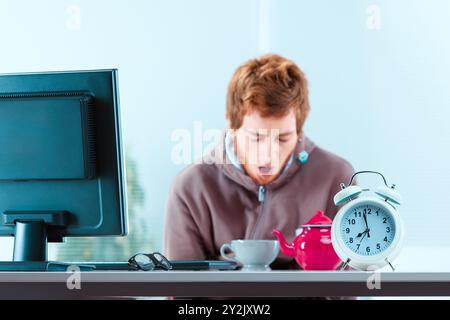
x=345 y=265
x=393 y=269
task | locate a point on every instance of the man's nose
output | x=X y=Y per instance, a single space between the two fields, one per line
x=268 y=154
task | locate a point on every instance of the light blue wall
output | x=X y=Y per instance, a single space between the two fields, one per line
x=380 y=98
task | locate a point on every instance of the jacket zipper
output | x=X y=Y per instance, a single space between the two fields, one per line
x=262 y=195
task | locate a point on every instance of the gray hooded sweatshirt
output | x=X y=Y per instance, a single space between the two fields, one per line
x=213 y=201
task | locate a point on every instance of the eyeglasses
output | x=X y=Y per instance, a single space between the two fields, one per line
x=149 y=261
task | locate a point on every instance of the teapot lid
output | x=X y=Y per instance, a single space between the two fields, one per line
x=319 y=219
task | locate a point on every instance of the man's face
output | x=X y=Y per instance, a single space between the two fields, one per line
x=264 y=144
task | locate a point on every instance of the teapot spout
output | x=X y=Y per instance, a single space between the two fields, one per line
x=286 y=248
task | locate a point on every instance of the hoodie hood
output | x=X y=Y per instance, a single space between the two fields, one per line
x=218 y=157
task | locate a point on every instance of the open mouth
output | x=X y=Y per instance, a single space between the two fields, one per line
x=265 y=171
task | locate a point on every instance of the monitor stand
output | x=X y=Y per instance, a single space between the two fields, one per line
x=33 y=231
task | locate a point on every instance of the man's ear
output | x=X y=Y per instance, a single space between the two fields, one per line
x=300 y=135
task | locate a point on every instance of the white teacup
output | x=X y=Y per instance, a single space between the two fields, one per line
x=254 y=255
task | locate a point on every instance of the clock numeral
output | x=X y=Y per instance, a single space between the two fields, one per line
x=384 y=220
x=377 y=212
x=347 y=230
x=351 y=221
x=357 y=214
x=351 y=240
x=378 y=246
x=358 y=245
x=388 y=229
x=368 y=211
x=385 y=239
x=368 y=249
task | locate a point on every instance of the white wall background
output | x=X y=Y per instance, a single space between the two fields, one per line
x=378 y=73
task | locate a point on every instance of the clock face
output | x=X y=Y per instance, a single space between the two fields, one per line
x=367 y=229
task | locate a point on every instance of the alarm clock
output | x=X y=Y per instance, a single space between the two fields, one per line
x=367 y=232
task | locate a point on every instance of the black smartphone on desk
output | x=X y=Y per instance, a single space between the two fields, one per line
x=203 y=265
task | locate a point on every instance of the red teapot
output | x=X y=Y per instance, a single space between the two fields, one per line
x=312 y=247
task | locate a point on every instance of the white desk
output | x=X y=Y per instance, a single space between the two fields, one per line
x=50 y=285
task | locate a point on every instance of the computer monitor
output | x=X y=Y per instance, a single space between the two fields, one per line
x=61 y=159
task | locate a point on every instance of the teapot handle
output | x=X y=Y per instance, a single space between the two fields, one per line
x=224 y=247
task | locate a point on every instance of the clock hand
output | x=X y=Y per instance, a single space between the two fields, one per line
x=365 y=232
x=367 y=226
x=360 y=234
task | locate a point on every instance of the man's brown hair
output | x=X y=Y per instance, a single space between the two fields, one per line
x=271 y=85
